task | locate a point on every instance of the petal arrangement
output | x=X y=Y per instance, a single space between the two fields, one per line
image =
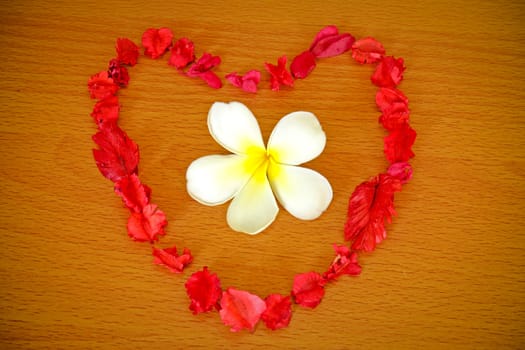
x=255 y=177
x=253 y=172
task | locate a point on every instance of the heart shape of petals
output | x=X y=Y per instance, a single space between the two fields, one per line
x=254 y=175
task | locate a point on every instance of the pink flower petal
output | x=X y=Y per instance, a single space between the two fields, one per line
x=328 y=43
x=389 y=72
x=345 y=263
x=247 y=82
x=156 y=41
x=402 y=171
x=240 y=309
x=147 y=225
x=182 y=53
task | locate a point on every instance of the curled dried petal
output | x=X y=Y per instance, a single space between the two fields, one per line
x=308 y=289
x=240 y=309
x=171 y=259
x=204 y=290
x=367 y=50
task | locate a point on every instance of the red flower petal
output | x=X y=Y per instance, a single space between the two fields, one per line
x=345 y=263
x=118 y=155
x=328 y=43
x=106 y=111
x=401 y=171
x=147 y=225
x=398 y=144
x=394 y=106
x=204 y=290
x=278 y=311
x=279 y=74
x=308 y=289
x=182 y=53
x=389 y=72
x=173 y=261
x=367 y=50
x=302 y=65
x=371 y=203
x=247 y=82
x=388 y=98
x=156 y=41
x=127 y=51
x=240 y=309
x=101 y=86
x=118 y=73
x=135 y=195
x=202 y=69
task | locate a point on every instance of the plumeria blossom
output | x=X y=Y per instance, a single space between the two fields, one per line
x=253 y=173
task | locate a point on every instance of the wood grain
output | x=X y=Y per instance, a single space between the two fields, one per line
x=450 y=274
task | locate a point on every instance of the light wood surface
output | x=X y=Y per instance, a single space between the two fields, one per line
x=449 y=275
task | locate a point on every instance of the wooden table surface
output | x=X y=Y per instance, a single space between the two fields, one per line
x=449 y=275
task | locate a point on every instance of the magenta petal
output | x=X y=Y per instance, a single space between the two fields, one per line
x=333 y=46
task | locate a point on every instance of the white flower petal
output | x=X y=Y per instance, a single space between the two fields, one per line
x=235 y=128
x=303 y=192
x=254 y=208
x=297 y=138
x=215 y=179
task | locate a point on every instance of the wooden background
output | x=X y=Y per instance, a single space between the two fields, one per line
x=450 y=274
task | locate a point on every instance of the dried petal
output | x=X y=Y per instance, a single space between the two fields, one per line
x=247 y=82
x=202 y=69
x=127 y=51
x=278 y=311
x=106 y=111
x=240 y=309
x=118 y=73
x=135 y=194
x=328 y=43
x=171 y=259
x=345 y=263
x=147 y=225
x=279 y=74
x=367 y=50
x=402 y=171
x=302 y=65
x=118 y=155
x=101 y=86
x=389 y=72
x=156 y=41
x=204 y=290
x=394 y=106
x=308 y=289
x=398 y=144
x=371 y=203
x=182 y=53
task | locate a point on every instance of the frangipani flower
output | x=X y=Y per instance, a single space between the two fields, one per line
x=253 y=173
